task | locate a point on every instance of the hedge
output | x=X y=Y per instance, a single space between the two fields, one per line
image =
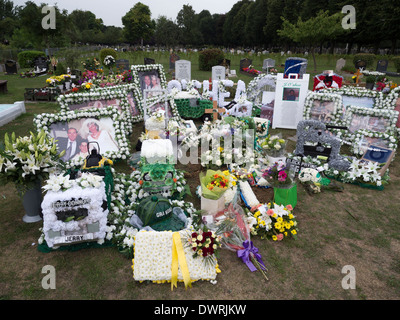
x=396 y=61
x=369 y=58
x=107 y=52
x=26 y=58
x=209 y=58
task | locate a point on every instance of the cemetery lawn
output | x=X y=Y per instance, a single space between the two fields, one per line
x=357 y=227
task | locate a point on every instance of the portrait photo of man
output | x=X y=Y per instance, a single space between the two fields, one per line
x=69 y=144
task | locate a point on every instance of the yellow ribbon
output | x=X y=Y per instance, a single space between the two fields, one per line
x=179 y=260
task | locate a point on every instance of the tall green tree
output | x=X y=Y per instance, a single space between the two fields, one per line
x=313 y=31
x=166 y=32
x=138 y=25
x=8 y=15
x=187 y=23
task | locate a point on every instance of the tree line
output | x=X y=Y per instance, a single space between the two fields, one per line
x=249 y=23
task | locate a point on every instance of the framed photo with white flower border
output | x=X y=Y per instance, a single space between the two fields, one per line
x=357 y=96
x=363 y=139
x=163 y=102
x=103 y=126
x=149 y=76
x=116 y=97
x=324 y=107
x=374 y=120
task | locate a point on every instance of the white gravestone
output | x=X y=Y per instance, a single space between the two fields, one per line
x=183 y=70
x=218 y=73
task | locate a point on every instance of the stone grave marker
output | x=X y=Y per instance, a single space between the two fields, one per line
x=218 y=73
x=360 y=64
x=149 y=61
x=172 y=59
x=11 y=67
x=122 y=64
x=382 y=65
x=183 y=70
x=340 y=64
x=267 y=64
x=245 y=63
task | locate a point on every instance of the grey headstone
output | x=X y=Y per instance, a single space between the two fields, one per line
x=11 y=67
x=382 y=65
x=218 y=73
x=122 y=64
x=183 y=70
x=245 y=63
x=340 y=64
x=268 y=63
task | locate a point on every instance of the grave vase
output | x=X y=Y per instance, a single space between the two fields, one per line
x=32 y=202
x=286 y=195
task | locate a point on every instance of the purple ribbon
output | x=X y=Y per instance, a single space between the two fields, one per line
x=245 y=254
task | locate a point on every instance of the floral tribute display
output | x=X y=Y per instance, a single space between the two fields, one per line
x=278 y=175
x=27 y=160
x=73 y=210
x=273 y=221
x=145 y=211
x=204 y=243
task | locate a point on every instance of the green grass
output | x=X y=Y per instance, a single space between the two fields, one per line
x=306 y=268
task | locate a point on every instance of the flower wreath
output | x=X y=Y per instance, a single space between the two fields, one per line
x=255 y=86
x=44 y=121
x=391 y=98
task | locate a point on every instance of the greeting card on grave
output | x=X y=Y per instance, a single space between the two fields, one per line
x=290 y=95
x=379 y=155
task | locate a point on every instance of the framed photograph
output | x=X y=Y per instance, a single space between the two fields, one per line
x=78 y=132
x=291 y=94
x=375 y=120
x=267 y=105
x=324 y=107
x=135 y=103
x=358 y=97
x=115 y=97
x=149 y=77
x=153 y=104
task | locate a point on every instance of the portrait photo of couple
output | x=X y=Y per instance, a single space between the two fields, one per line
x=150 y=81
x=75 y=136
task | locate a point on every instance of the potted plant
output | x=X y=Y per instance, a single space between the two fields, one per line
x=370 y=82
x=282 y=180
x=28 y=161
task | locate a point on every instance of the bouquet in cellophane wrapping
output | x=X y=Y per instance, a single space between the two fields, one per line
x=234 y=231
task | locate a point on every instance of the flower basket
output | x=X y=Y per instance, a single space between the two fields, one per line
x=286 y=195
